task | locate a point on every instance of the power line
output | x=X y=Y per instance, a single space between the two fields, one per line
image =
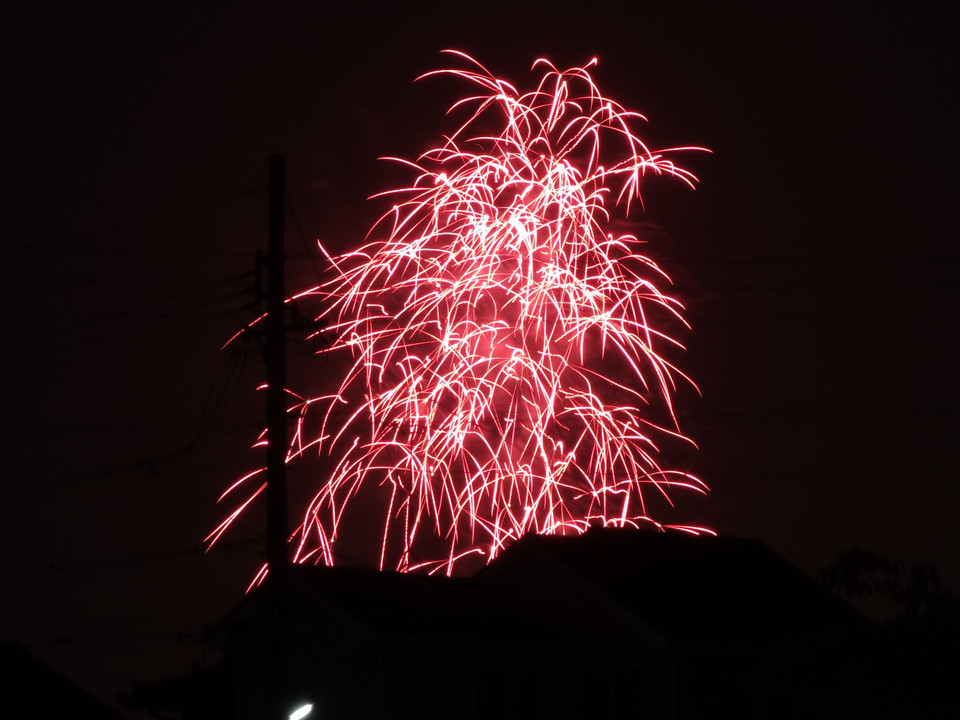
x=99 y=426
x=148 y=218
x=135 y=560
x=221 y=391
x=306 y=246
x=140 y=307
x=50 y=345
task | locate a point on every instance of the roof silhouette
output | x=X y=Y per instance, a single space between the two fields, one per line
x=31 y=688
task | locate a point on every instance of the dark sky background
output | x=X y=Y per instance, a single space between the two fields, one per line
x=818 y=261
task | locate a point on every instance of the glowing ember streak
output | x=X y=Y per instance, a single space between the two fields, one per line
x=504 y=365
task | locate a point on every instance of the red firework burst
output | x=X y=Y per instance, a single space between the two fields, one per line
x=505 y=365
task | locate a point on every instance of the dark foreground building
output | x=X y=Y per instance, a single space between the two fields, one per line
x=610 y=624
x=29 y=688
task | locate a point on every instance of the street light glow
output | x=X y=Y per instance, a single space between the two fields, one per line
x=302 y=711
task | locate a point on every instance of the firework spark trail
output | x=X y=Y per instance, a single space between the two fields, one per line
x=504 y=364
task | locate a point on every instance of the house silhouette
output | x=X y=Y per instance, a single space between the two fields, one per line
x=30 y=688
x=613 y=623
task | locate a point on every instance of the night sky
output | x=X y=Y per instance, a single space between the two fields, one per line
x=817 y=260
